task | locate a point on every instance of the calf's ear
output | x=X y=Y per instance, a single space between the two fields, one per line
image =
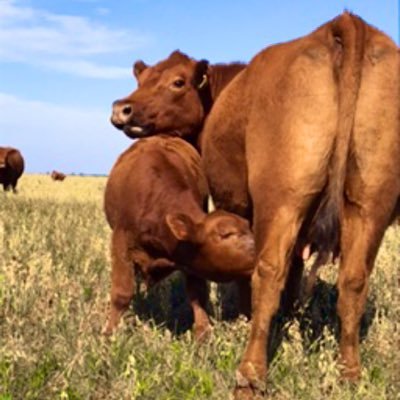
x=182 y=226
x=200 y=77
x=138 y=67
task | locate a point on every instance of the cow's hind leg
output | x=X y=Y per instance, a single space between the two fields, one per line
x=122 y=280
x=361 y=237
x=268 y=282
x=372 y=188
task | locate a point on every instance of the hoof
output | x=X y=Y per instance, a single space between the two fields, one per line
x=351 y=375
x=202 y=334
x=108 y=330
x=248 y=390
x=244 y=393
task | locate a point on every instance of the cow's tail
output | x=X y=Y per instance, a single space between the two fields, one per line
x=348 y=32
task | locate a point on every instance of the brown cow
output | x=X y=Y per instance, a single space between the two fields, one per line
x=11 y=167
x=311 y=128
x=58 y=176
x=154 y=202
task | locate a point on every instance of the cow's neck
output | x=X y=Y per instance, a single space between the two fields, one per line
x=221 y=75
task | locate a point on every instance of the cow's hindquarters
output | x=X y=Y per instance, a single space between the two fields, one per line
x=371 y=188
x=289 y=140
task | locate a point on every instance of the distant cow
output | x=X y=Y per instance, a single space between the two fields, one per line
x=58 y=176
x=154 y=202
x=11 y=167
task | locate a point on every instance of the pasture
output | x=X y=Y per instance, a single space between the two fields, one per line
x=54 y=293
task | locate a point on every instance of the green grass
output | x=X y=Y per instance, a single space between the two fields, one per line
x=54 y=293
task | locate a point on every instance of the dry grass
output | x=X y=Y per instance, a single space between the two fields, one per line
x=54 y=284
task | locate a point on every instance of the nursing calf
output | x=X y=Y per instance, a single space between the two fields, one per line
x=154 y=202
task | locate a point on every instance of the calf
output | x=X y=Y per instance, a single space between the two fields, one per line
x=154 y=202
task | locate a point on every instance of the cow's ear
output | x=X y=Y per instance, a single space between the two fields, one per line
x=200 y=77
x=138 y=67
x=182 y=226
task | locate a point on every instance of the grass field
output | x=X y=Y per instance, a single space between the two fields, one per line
x=54 y=293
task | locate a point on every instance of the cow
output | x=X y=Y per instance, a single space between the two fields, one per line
x=154 y=202
x=11 y=167
x=309 y=133
x=57 y=176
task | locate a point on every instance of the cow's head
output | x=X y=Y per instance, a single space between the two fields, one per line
x=221 y=244
x=168 y=98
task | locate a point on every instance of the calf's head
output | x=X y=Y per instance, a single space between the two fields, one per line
x=168 y=99
x=221 y=244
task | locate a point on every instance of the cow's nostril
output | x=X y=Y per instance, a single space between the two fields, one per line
x=127 y=110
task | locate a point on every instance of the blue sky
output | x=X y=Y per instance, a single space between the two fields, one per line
x=63 y=62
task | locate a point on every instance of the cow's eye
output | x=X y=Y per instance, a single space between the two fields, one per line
x=178 y=83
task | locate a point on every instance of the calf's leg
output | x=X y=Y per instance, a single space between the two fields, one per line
x=122 y=280
x=197 y=292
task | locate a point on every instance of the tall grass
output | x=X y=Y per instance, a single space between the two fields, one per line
x=54 y=293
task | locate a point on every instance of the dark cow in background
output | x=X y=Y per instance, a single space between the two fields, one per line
x=58 y=176
x=11 y=167
x=154 y=203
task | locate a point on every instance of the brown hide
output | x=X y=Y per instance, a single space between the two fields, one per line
x=11 y=167
x=173 y=97
x=154 y=202
x=58 y=176
x=311 y=128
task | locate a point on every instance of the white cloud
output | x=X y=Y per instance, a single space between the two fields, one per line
x=56 y=137
x=38 y=37
x=88 y=69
